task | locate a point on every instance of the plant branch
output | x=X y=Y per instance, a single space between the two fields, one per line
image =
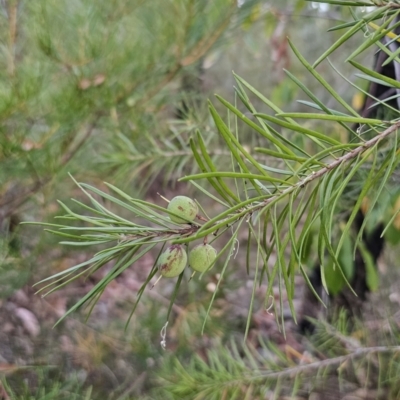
x=268 y=199
x=391 y=4
x=291 y=372
x=335 y=164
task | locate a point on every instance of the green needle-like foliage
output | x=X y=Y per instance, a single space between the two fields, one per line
x=84 y=87
x=288 y=193
x=267 y=371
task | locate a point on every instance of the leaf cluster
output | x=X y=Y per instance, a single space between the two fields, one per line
x=75 y=75
x=286 y=193
x=336 y=364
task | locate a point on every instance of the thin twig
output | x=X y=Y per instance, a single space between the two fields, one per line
x=317 y=174
x=291 y=372
x=391 y=4
x=335 y=164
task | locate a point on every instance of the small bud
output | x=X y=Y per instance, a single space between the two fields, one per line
x=173 y=261
x=201 y=257
x=183 y=206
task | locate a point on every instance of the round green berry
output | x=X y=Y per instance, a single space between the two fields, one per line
x=172 y=261
x=183 y=207
x=201 y=257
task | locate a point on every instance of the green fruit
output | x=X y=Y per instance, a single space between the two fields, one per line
x=173 y=261
x=201 y=256
x=184 y=207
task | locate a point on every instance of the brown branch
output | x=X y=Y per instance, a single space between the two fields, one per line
x=335 y=164
x=390 y=3
x=292 y=372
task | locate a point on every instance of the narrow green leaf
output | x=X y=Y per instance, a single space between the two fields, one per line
x=203 y=168
x=143 y=208
x=174 y=294
x=66 y=235
x=326 y=217
x=336 y=118
x=248 y=247
x=91 y=209
x=292 y=225
x=124 y=262
x=85 y=243
x=245 y=153
x=375 y=74
x=343 y=26
x=213 y=168
x=317 y=107
x=393 y=57
x=383 y=102
x=253 y=293
x=268 y=102
x=232 y=143
x=346 y=258
x=98 y=286
x=386 y=169
x=318 y=104
x=322 y=81
x=268 y=129
x=384 y=47
x=361 y=90
x=252 y=124
x=277 y=170
x=372 y=277
x=324 y=153
x=282 y=156
x=344 y=38
x=373 y=80
x=230 y=245
x=240 y=175
x=298 y=128
x=99 y=206
x=56 y=285
x=225 y=218
x=375 y=37
x=152 y=273
x=208 y=194
x=346 y=3
x=362 y=194
x=80 y=217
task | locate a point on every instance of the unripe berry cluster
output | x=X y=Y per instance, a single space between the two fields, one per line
x=173 y=260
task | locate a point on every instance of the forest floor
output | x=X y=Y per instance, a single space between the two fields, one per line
x=125 y=364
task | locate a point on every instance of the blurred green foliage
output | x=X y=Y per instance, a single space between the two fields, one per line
x=114 y=90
